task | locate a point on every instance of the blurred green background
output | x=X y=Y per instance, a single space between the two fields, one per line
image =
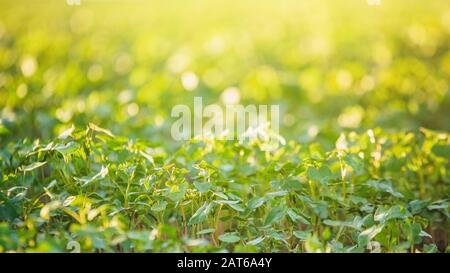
x=333 y=66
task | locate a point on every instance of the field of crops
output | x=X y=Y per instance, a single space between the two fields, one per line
x=88 y=163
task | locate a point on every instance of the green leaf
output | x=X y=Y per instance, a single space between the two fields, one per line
x=98 y=129
x=228 y=202
x=292 y=185
x=368 y=234
x=255 y=202
x=206 y=231
x=441 y=150
x=313 y=174
x=277 y=193
x=201 y=214
x=418 y=205
x=302 y=235
x=354 y=161
x=236 y=207
x=277 y=236
x=221 y=195
x=148 y=157
x=334 y=223
x=67 y=133
x=177 y=192
x=383 y=215
x=296 y=217
x=320 y=208
x=441 y=205
x=88 y=180
x=202 y=187
x=69 y=201
x=160 y=206
x=423 y=233
x=229 y=238
x=3 y=129
x=256 y=241
x=430 y=248
x=323 y=174
x=384 y=186
x=32 y=166
x=275 y=215
x=68 y=148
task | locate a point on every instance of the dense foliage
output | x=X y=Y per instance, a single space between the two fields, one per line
x=86 y=157
x=114 y=194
